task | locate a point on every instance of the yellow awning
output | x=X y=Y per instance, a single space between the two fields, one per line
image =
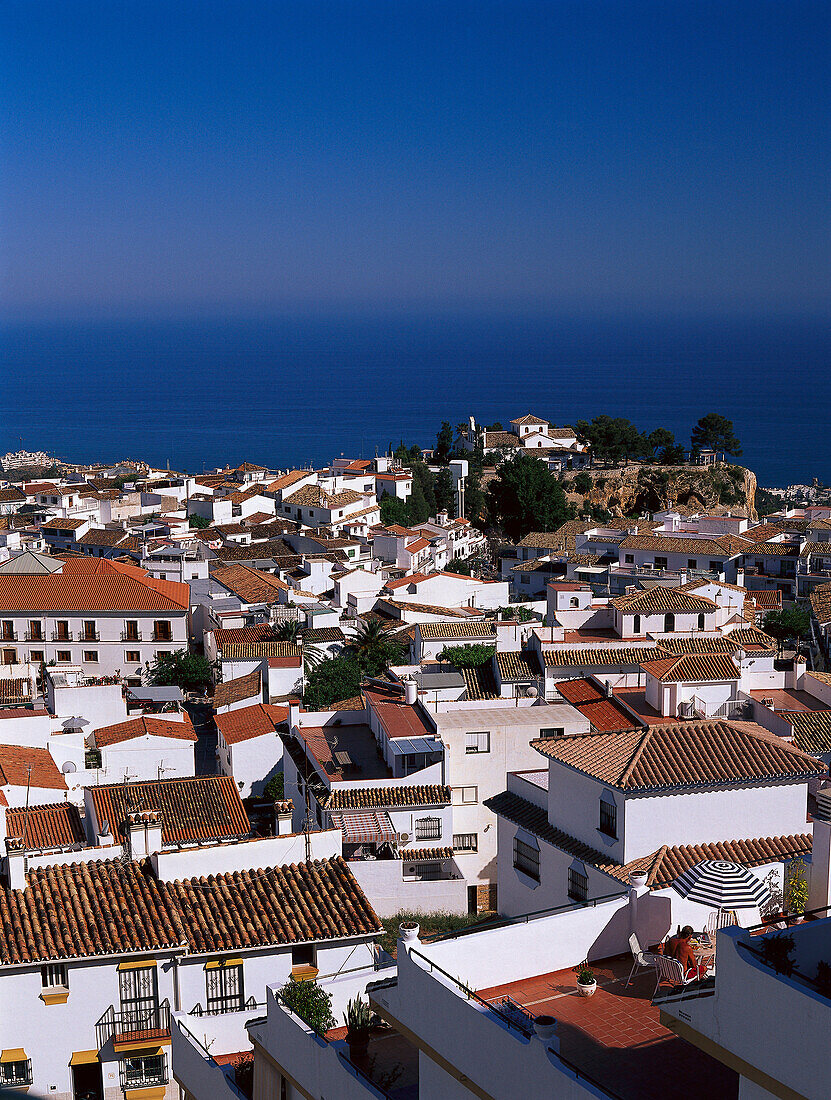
x=83 y=1057
x=136 y=964
x=215 y=964
x=14 y=1054
x=151 y=1049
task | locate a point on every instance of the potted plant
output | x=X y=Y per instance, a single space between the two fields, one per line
x=586 y=982
x=797 y=889
x=776 y=953
x=310 y=1002
x=408 y=930
x=545 y=1027
x=357 y=1019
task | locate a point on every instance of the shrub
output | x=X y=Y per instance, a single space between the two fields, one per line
x=310 y=1002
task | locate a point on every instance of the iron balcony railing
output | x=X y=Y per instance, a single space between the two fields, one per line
x=16 y=1074
x=134 y=1024
x=35 y=636
x=143 y=1072
x=131 y=636
x=62 y=635
x=229 y=1004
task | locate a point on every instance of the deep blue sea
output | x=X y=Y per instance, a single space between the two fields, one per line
x=306 y=390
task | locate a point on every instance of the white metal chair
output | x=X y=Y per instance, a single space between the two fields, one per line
x=640 y=957
x=720 y=918
x=669 y=970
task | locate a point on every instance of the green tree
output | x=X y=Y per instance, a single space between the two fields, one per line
x=189 y=671
x=275 y=788
x=199 y=523
x=461 y=429
x=424 y=477
x=525 y=496
x=475 y=502
x=394 y=511
x=791 y=622
x=672 y=455
x=373 y=649
x=715 y=432
x=310 y=1002
x=418 y=510
x=444 y=443
x=332 y=681
x=660 y=439
x=445 y=496
x=495 y=427
x=467 y=656
x=461 y=566
x=582 y=484
x=613 y=438
x=289 y=631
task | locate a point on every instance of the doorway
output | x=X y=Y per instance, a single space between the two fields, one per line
x=87 y=1082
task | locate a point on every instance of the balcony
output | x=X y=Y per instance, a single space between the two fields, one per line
x=9 y=636
x=15 y=1075
x=164 y=636
x=90 y=636
x=212 y=1053
x=131 y=636
x=145 y=1072
x=132 y=1026
x=35 y=636
x=62 y=635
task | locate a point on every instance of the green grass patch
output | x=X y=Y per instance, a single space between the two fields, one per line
x=432 y=925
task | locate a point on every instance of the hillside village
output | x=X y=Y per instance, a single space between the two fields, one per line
x=395 y=777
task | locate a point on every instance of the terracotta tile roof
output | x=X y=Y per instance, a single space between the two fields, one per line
x=528 y=816
x=412 y=855
x=314 y=635
x=539 y=565
x=79 y=909
x=561 y=539
x=665 y=865
x=251 y=585
x=193 y=809
x=303 y=902
x=823 y=677
x=480 y=683
x=693 y=668
x=725 y=546
x=15 y=761
x=751 y=637
x=355 y=703
x=249 y=722
x=528 y=419
x=17 y=690
x=773 y=550
x=472 y=629
x=312 y=496
x=225 y=635
x=604 y=712
x=500 y=439
x=660 y=599
x=63 y=524
x=583 y=559
x=234 y=691
x=347 y=798
x=79 y=591
x=601 y=656
x=102 y=537
x=428 y=609
x=146 y=726
x=402 y=582
x=518 y=665
x=398 y=717
x=680 y=754
x=57 y=825
x=821 y=603
x=694 y=644
x=277 y=550
x=811 y=729
x=286 y=480
x=253 y=651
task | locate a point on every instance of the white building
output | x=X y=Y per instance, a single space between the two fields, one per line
x=249 y=746
x=146 y=748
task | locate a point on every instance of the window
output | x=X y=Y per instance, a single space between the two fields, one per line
x=578 y=884
x=9 y=656
x=477 y=742
x=464 y=796
x=715 y=566
x=629 y=559
x=131 y=631
x=660 y=563
x=37 y=655
x=35 y=631
x=62 y=630
x=138 y=994
x=15 y=1074
x=161 y=631
x=692 y=563
x=525 y=578
x=7 y=630
x=224 y=988
x=428 y=828
x=64 y=656
x=132 y=656
x=303 y=954
x=465 y=842
x=527 y=859
x=552 y=731
x=636 y=624
x=701 y=621
x=91 y=656
x=54 y=976
x=574 y=602
x=669 y=623
x=143 y=1070
x=90 y=633
x=608 y=817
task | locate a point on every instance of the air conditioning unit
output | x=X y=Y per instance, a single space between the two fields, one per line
x=404 y=838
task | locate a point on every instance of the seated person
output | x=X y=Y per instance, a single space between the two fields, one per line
x=679 y=947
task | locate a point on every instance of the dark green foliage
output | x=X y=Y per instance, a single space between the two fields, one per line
x=521 y=614
x=310 y=1002
x=331 y=681
x=199 y=523
x=275 y=790
x=467 y=656
x=475 y=504
x=660 y=439
x=394 y=511
x=460 y=566
x=289 y=631
x=495 y=427
x=444 y=443
x=791 y=622
x=672 y=456
x=443 y=487
x=613 y=438
x=431 y=924
x=715 y=432
x=525 y=496
x=189 y=671
x=581 y=483
x=766 y=502
x=373 y=649
x=418 y=510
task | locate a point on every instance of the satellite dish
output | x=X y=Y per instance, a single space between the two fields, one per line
x=531 y=692
x=69 y=767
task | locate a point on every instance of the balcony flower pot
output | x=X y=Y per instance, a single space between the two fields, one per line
x=358 y=1042
x=637 y=879
x=545 y=1027
x=586 y=983
x=408 y=931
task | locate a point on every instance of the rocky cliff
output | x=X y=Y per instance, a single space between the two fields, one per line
x=635 y=489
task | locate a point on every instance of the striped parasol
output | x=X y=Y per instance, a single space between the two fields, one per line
x=721 y=885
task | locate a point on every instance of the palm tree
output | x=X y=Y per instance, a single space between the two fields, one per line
x=372 y=646
x=288 y=631
x=461 y=429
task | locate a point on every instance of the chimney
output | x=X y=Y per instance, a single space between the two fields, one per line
x=143 y=833
x=282 y=817
x=16 y=862
x=105 y=836
x=797 y=672
x=637 y=888
x=410 y=692
x=294 y=714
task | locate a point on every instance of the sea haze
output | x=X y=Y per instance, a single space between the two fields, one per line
x=294 y=391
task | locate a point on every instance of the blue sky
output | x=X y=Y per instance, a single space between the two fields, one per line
x=199 y=158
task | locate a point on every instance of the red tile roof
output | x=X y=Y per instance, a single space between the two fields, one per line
x=77 y=591
x=251 y=585
x=235 y=691
x=193 y=809
x=398 y=718
x=226 y=635
x=44 y=827
x=146 y=726
x=407 y=794
x=693 y=668
x=681 y=754
x=249 y=722
x=16 y=762
x=605 y=714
